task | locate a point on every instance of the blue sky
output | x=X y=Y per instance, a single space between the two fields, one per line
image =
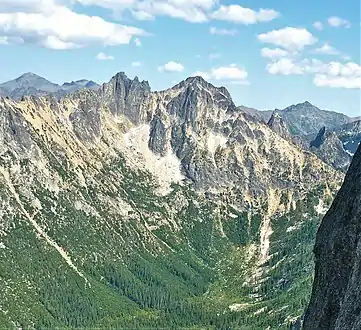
x=269 y=53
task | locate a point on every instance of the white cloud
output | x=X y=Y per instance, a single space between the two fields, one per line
x=11 y=41
x=137 y=42
x=349 y=69
x=327 y=49
x=231 y=73
x=171 y=67
x=284 y=66
x=289 y=38
x=273 y=53
x=28 y=6
x=318 y=26
x=222 y=32
x=136 y=64
x=322 y=80
x=332 y=74
x=335 y=21
x=214 y=56
x=195 y=11
x=4 y=41
x=242 y=15
x=61 y=28
x=142 y=15
x=104 y=57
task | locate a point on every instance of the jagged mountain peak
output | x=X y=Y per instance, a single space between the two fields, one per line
x=121 y=79
x=303 y=106
x=277 y=124
x=200 y=83
x=28 y=75
x=307 y=104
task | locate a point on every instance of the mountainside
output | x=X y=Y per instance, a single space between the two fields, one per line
x=30 y=84
x=330 y=149
x=337 y=147
x=350 y=135
x=304 y=119
x=153 y=209
x=277 y=124
x=336 y=301
x=73 y=86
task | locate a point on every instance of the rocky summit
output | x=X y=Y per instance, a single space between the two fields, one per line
x=127 y=208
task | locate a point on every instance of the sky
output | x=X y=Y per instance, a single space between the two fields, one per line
x=268 y=53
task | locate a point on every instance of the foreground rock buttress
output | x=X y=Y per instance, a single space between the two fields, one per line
x=336 y=295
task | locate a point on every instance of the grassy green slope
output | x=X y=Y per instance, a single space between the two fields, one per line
x=184 y=273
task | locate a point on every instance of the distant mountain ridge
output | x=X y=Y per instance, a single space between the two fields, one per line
x=30 y=84
x=337 y=147
x=304 y=119
x=333 y=137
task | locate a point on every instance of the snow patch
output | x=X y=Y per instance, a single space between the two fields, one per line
x=349 y=153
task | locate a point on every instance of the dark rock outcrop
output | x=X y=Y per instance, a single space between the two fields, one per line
x=330 y=149
x=277 y=124
x=336 y=298
x=125 y=96
x=157 y=136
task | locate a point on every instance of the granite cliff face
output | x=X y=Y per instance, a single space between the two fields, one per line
x=149 y=204
x=336 y=300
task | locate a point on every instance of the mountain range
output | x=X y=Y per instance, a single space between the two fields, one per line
x=305 y=119
x=332 y=136
x=32 y=84
x=337 y=134
x=127 y=208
